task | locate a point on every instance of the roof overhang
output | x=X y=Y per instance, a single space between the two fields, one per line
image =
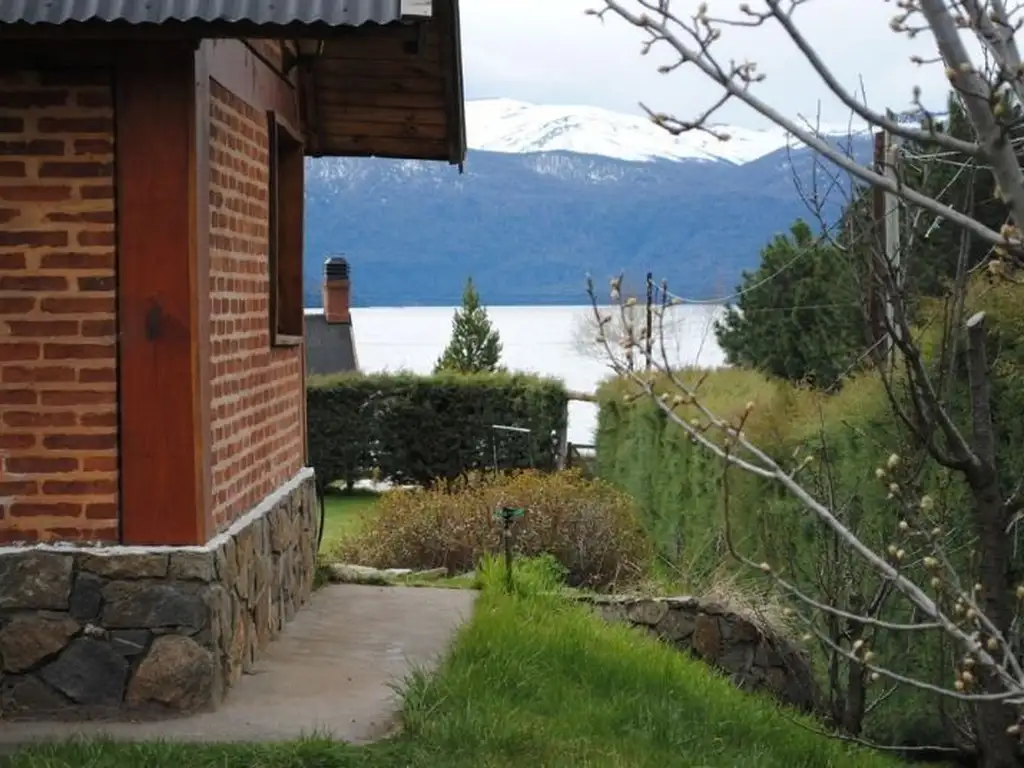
x=385 y=78
x=389 y=91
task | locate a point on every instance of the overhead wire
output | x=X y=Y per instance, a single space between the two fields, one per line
x=968 y=164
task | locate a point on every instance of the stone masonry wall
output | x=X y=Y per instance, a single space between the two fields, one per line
x=107 y=632
x=752 y=659
x=58 y=328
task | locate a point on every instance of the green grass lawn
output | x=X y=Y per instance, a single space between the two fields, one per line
x=533 y=680
x=344 y=514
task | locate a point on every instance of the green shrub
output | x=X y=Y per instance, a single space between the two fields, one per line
x=586 y=525
x=419 y=429
x=678 y=489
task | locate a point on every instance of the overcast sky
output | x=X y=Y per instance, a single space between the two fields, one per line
x=549 y=52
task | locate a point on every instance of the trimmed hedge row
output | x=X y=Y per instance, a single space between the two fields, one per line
x=679 y=489
x=412 y=429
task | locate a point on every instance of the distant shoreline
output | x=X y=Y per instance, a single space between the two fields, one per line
x=523 y=305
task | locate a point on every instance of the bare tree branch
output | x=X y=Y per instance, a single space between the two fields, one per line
x=975 y=609
x=662 y=32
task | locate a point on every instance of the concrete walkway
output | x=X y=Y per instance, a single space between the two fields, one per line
x=330 y=672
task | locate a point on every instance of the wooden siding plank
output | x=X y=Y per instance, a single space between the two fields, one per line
x=453 y=91
x=358 y=113
x=202 y=284
x=344 y=125
x=330 y=83
x=377 y=69
x=375 y=146
x=422 y=45
x=384 y=100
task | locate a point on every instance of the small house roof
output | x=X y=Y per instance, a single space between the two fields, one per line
x=386 y=80
x=330 y=347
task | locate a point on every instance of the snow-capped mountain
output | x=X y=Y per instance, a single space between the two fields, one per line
x=506 y=125
x=550 y=194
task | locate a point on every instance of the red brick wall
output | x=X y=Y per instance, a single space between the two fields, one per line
x=58 y=383
x=258 y=392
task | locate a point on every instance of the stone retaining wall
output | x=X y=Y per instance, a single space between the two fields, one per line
x=752 y=659
x=101 y=632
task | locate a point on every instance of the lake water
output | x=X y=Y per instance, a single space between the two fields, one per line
x=553 y=341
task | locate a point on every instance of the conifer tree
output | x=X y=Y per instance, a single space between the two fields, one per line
x=798 y=315
x=475 y=346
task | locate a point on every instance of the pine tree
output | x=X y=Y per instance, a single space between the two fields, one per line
x=798 y=316
x=475 y=346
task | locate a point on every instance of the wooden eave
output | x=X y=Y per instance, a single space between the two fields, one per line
x=391 y=90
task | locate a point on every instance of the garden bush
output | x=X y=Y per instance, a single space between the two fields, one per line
x=420 y=429
x=678 y=488
x=589 y=527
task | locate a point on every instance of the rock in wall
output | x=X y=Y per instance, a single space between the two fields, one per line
x=751 y=658
x=109 y=631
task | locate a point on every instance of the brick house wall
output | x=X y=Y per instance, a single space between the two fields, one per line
x=258 y=391
x=58 y=344
x=58 y=322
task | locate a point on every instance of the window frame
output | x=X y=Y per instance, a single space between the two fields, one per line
x=286 y=180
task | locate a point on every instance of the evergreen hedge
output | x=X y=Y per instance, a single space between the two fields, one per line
x=411 y=429
x=678 y=487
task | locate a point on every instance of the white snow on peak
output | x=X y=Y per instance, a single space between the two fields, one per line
x=507 y=125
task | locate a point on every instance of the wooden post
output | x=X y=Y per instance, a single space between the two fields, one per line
x=892 y=230
x=163 y=271
x=886 y=216
x=563 y=445
x=648 y=341
x=873 y=287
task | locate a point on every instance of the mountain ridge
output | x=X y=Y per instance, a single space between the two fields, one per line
x=529 y=220
x=511 y=126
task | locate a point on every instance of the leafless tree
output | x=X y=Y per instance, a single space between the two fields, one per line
x=977 y=611
x=586 y=332
x=841 y=578
x=688 y=338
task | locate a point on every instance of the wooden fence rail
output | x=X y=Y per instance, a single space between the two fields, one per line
x=568 y=453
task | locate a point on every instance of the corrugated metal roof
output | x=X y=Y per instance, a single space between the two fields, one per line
x=338 y=13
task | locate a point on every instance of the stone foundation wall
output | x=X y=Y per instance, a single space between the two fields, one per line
x=752 y=659
x=112 y=631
